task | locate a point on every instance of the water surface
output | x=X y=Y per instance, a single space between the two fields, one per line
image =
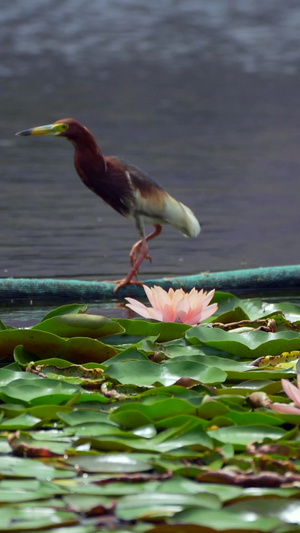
x=204 y=96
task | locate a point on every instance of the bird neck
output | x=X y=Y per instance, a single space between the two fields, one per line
x=88 y=160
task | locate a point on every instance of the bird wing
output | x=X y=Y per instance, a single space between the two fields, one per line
x=157 y=206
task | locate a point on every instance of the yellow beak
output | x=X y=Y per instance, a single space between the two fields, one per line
x=48 y=129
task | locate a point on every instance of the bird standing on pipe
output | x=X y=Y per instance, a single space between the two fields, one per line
x=125 y=188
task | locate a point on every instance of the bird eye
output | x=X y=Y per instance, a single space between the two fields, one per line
x=64 y=127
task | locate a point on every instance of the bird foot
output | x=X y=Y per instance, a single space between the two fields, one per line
x=123 y=282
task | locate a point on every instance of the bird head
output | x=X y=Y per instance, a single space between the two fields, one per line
x=66 y=127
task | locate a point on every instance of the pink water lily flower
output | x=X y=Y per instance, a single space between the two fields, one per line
x=175 y=306
x=294 y=393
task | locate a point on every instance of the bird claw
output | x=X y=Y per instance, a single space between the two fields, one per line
x=123 y=282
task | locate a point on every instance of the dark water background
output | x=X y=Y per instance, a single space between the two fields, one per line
x=203 y=95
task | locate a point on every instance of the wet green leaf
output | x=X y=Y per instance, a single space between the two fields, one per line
x=79 y=325
x=40 y=343
x=165 y=331
x=233 y=315
x=13 y=491
x=65 y=310
x=177 y=407
x=21 y=467
x=109 y=463
x=222 y=520
x=286 y=509
x=82 y=350
x=146 y=373
x=23 y=421
x=37 y=391
x=83 y=416
x=29 y=518
x=249 y=345
x=156 y=411
x=243 y=435
x=152 y=505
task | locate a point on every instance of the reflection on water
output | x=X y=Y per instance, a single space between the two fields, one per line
x=258 y=36
x=202 y=95
x=24 y=316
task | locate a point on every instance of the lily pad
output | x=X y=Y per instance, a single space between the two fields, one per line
x=79 y=325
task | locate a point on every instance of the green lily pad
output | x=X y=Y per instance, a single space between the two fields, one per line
x=222 y=520
x=79 y=325
x=66 y=309
x=109 y=463
x=243 y=435
x=248 y=345
x=146 y=373
x=164 y=331
x=23 y=467
x=30 y=518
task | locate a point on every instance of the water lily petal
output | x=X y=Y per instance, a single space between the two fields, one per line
x=157 y=296
x=168 y=313
x=164 y=299
x=207 y=312
x=292 y=391
x=151 y=297
x=285 y=408
x=138 y=308
x=176 y=296
x=175 y=305
x=183 y=311
x=206 y=298
x=146 y=312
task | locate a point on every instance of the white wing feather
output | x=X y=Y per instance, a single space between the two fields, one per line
x=168 y=211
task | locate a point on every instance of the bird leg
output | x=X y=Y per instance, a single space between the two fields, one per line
x=138 y=253
x=135 y=252
x=143 y=252
x=136 y=249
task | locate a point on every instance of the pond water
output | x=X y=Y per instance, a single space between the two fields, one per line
x=204 y=96
x=24 y=316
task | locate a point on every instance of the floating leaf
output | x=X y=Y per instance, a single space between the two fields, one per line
x=146 y=373
x=40 y=343
x=109 y=463
x=245 y=345
x=66 y=309
x=17 y=467
x=80 y=325
x=132 y=416
x=37 y=391
x=225 y=520
x=177 y=432
x=24 y=445
x=31 y=518
x=163 y=505
x=164 y=331
x=242 y=435
x=15 y=491
x=284 y=360
x=76 y=374
x=23 y=421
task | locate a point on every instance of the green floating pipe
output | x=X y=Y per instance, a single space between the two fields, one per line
x=272 y=281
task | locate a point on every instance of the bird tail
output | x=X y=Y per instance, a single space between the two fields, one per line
x=181 y=217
